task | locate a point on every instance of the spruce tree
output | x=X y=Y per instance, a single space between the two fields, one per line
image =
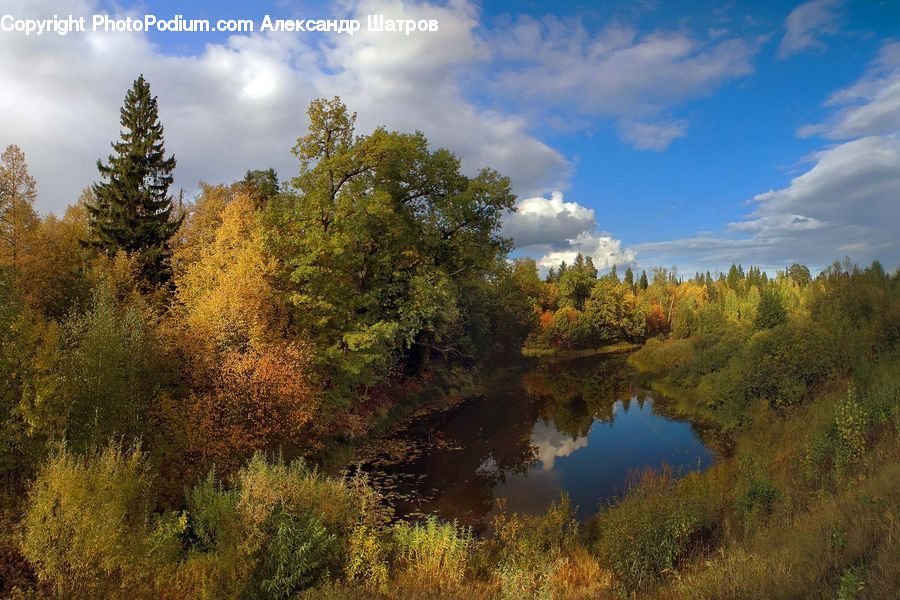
x=132 y=211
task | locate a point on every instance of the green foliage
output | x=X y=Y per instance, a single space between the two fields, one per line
x=850 y=425
x=576 y=283
x=382 y=243
x=851 y=585
x=99 y=374
x=20 y=334
x=658 y=525
x=297 y=555
x=770 y=312
x=133 y=209
x=533 y=549
x=367 y=562
x=755 y=492
x=782 y=364
x=432 y=553
x=85 y=529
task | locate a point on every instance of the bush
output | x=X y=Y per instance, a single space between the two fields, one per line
x=784 y=362
x=86 y=524
x=534 y=550
x=297 y=555
x=367 y=562
x=659 y=524
x=432 y=553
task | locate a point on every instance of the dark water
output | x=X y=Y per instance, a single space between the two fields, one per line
x=581 y=427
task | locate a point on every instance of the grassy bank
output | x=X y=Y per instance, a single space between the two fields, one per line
x=562 y=354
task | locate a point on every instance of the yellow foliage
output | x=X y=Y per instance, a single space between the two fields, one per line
x=223 y=275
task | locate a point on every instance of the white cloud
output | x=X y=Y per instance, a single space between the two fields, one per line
x=870 y=106
x=806 y=24
x=845 y=204
x=240 y=104
x=616 y=73
x=543 y=221
x=553 y=230
x=652 y=136
x=604 y=250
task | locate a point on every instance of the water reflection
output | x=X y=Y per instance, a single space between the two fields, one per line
x=577 y=426
x=551 y=443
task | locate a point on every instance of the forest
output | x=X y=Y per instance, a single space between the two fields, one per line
x=187 y=380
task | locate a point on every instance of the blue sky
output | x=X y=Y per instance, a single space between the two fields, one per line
x=689 y=133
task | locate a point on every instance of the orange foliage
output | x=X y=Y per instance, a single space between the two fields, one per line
x=257 y=400
x=546 y=318
x=656 y=320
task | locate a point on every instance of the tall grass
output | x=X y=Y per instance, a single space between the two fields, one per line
x=433 y=553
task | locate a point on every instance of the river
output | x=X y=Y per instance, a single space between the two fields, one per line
x=582 y=427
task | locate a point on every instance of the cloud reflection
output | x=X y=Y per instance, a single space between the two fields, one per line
x=552 y=443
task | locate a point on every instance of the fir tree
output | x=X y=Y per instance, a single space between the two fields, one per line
x=770 y=312
x=133 y=207
x=643 y=281
x=629 y=277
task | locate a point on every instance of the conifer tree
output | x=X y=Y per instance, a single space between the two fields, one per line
x=133 y=207
x=643 y=281
x=629 y=277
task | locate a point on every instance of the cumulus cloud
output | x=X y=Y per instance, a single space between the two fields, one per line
x=240 y=104
x=543 y=221
x=617 y=72
x=807 y=24
x=552 y=230
x=604 y=250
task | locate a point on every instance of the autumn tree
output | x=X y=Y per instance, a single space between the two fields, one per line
x=133 y=208
x=380 y=241
x=255 y=400
x=18 y=193
x=53 y=271
x=576 y=282
x=223 y=275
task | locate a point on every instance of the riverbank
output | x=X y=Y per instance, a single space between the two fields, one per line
x=562 y=354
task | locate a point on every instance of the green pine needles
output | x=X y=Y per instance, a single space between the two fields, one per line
x=132 y=211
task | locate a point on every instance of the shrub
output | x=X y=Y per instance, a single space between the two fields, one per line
x=850 y=425
x=432 y=553
x=367 y=558
x=86 y=524
x=784 y=362
x=534 y=550
x=297 y=555
x=659 y=523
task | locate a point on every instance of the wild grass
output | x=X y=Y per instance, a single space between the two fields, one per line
x=431 y=553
